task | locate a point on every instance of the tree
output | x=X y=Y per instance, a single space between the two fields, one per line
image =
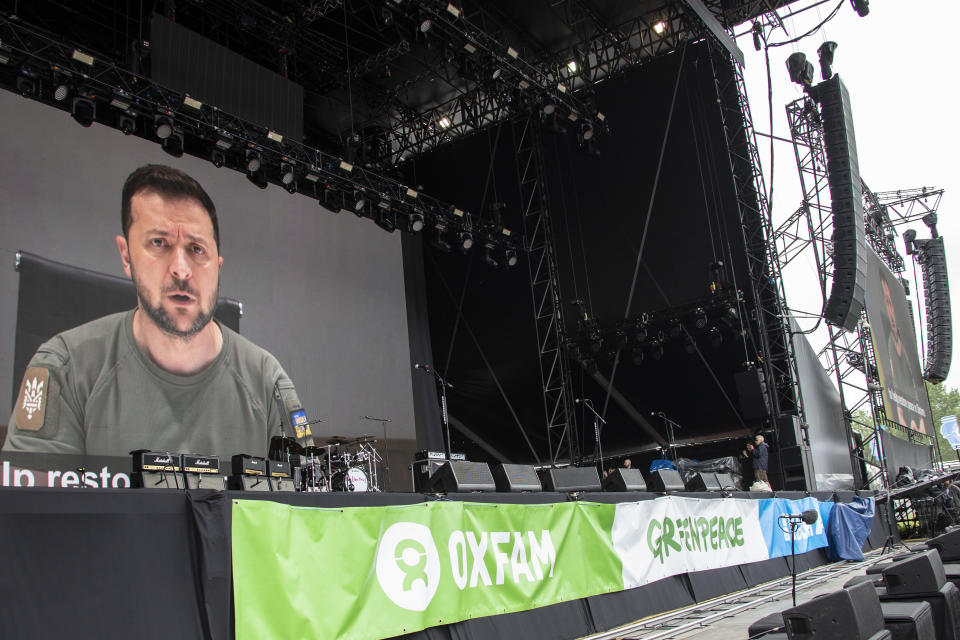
x=943 y=402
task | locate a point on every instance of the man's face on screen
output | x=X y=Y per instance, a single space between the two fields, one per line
x=173 y=261
x=892 y=317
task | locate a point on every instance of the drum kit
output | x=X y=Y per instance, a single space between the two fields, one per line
x=339 y=464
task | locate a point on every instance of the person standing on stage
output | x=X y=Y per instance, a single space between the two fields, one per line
x=760 y=456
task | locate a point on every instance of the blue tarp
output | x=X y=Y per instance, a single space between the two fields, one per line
x=662 y=463
x=848 y=529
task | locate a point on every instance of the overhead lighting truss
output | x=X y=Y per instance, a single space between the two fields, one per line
x=133 y=103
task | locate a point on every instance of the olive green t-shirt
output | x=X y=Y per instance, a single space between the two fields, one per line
x=92 y=390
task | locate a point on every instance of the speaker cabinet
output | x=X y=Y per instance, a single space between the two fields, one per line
x=665 y=480
x=848 y=291
x=798 y=469
x=920 y=573
x=703 y=481
x=866 y=607
x=790 y=431
x=569 y=479
x=158 y=480
x=624 y=480
x=422 y=471
x=936 y=295
x=948 y=545
x=828 y=616
x=752 y=391
x=460 y=476
x=516 y=478
x=249 y=483
x=726 y=482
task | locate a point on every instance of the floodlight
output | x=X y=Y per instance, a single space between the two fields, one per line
x=466 y=241
x=659 y=27
x=127 y=124
x=757 y=35
x=217 y=158
x=286 y=173
x=257 y=178
x=173 y=144
x=253 y=161
x=825 y=52
x=83 y=110
x=416 y=222
x=511 y=256
x=359 y=201
x=61 y=92
x=162 y=126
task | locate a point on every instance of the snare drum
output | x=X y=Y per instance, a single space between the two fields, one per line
x=353 y=479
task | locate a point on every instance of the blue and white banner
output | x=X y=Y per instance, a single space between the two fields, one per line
x=776 y=528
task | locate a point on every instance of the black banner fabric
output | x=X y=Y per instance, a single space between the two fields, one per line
x=898 y=452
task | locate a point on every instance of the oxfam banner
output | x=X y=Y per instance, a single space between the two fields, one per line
x=375 y=572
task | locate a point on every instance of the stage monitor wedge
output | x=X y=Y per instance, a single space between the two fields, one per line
x=570 y=479
x=848 y=292
x=516 y=478
x=665 y=481
x=461 y=476
x=624 y=480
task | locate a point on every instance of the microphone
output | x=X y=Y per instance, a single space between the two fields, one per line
x=809 y=516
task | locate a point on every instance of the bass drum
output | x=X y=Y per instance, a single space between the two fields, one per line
x=353 y=479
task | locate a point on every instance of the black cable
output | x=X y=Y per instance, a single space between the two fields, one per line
x=830 y=17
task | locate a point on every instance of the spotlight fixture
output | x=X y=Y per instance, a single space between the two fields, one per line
x=331 y=198
x=586 y=131
x=83 y=110
x=359 y=202
x=572 y=66
x=439 y=241
x=757 y=35
x=700 y=319
x=162 y=127
x=466 y=241
x=26 y=87
x=862 y=7
x=659 y=27
x=127 y=124
x=425 y=25
x=511 y=257
x=173 y=144
x=286 y=173
x=218 y=158
x=825 y=52
x=801 y=71
x=253 y=161
x=61 y=92
x=445 y=122
x=549 y=106
x=488 y=255
x=386 y=219
x=415 y=224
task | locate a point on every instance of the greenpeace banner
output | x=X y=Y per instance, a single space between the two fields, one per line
x=375 y=572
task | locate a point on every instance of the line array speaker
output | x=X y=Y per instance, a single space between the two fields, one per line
x=461 y=476
x=570 y=479
x=752 y=390
x=936 y=294
x=848 y=291
x=516 y=478
x=625 y=480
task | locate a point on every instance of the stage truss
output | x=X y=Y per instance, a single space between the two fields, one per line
x=849 y=356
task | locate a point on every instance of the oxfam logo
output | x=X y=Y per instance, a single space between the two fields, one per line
x=408 y=567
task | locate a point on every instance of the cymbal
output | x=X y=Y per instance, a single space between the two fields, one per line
x=364 y=439
x=337 y=440
x=287 y=444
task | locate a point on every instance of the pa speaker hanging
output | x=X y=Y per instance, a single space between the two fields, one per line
x=936 y=294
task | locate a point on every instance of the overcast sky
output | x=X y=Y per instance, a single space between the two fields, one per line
x=897 y=64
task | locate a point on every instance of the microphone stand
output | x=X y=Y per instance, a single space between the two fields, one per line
x=670 y=424
x=386 y=454
x=443 y=404
x=597 y=418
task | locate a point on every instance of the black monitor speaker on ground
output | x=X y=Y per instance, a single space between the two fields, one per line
x=920 y=573
x=948 y=544
x=461 y=476
x=569 y=479
x=726 y=482
x=828 y=616
x=516 y=478
x=866 y=608
x=624 y=480
x=665 y=480
x=848 y=293
x=704 y=481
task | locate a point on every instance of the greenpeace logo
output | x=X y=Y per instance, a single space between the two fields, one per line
x=673 y=535
x=409 y=570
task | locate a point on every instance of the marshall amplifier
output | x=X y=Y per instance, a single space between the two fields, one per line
x=280 y=476
x=201 y=472
x=423 y=454
x=249 y=473
x=156 y=470
x=144 y=460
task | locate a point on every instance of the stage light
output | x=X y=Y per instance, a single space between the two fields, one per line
x=586 y=131
x=257 y=178
x=439 y=241
x=511 y=257
x=173 y=144
x=127 y=124
x=162 y=127
x=26 y=87
x=572 y=66
x=716 y=337
x=445 y=122
x=757 y=35
x=700 y=319
x=119 y=103
x=61 y=92
x=825 y=52
x=488 y=256
x=931 y=221
x=800 y=70
x=909 y=236
x=659 y=27
x=513 y=53
x=83 y=110
x=425 y=25
x=286 y=173
x=253 y=161
x=291 y=188
x=862 y=7
x=549 y=107
x=466 y=241
x=331 y=199
x=193 y=103
x=416 y=222
x=385 y=219
x=217 y=158
x=359 y=202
